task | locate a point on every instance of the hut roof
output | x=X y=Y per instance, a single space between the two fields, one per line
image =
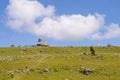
x=42 y=43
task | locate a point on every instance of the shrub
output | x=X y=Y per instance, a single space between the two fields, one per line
x=92 y=51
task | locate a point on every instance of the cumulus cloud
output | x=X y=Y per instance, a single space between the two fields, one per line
x=69 y=27
x=23 y=13
x=33 y=17
x=111 y=31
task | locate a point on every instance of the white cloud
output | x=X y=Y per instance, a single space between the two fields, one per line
x=69 y=27
x=31 y=16
x=23 y=13
x=111 y=31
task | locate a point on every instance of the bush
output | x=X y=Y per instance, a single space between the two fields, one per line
x=92 y=51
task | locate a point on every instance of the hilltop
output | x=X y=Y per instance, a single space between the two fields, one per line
x=59 y=63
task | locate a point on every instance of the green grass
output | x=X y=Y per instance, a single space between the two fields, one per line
x=59 y=63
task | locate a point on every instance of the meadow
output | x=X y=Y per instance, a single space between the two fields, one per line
x=59 y=63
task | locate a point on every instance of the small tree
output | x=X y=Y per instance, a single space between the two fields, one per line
x=92 y=51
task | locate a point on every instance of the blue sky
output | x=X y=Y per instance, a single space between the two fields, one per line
x=104 y=14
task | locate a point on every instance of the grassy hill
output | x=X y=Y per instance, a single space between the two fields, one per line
x=59 y=63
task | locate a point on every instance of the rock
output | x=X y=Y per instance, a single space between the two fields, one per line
x=46 y=70
x=12 y=75
x=87 y=71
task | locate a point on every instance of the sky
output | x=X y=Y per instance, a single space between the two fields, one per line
x=60 y=22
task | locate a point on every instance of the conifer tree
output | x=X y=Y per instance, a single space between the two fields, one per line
x=92 y=51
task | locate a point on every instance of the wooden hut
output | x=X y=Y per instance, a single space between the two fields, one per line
x=42 y=43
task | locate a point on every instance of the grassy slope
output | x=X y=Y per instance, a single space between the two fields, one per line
x=59 y=63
